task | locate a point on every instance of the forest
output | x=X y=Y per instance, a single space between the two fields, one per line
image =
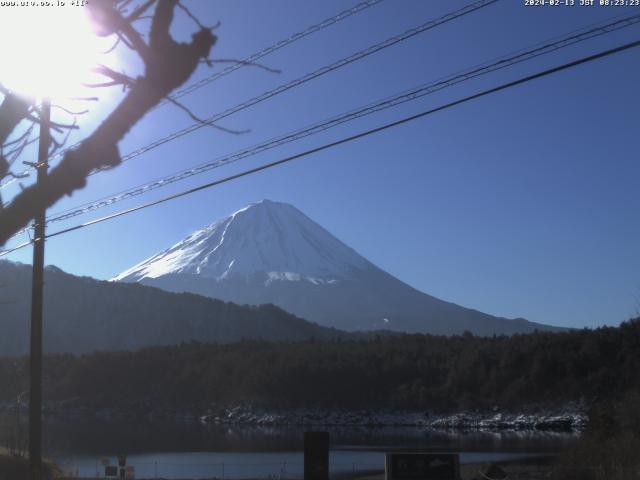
x=417 y=372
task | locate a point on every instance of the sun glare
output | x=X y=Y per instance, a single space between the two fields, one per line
x=47 y=51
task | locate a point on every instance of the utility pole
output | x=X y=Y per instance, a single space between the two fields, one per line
x=37 y=284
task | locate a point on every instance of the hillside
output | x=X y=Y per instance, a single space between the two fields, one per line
x=83 y=314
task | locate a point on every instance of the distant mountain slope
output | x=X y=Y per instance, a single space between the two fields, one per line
x=270 y=252
x=83 y=315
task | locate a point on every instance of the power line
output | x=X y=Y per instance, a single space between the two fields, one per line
x=276 y=46
x=412 y=32
x=472 y=7
x=247 y=61
x=404 y=97
x=351 y=138
x=17 y=247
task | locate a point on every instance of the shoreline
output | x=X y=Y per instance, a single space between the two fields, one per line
x=561 y=420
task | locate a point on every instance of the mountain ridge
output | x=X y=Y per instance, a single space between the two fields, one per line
x=271 y=252
x=83 y=315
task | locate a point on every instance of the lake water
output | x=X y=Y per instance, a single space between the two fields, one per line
x=191 y=450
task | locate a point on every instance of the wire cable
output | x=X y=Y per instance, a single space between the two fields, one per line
x=275 y=47
x=342 y=141
x=404 y=97
x=406 y=35
x=247 y=61
x=18 y=247
x=472 y=7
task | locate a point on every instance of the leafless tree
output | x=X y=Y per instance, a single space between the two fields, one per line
x=167 y=65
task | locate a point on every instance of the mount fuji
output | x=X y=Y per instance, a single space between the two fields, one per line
x=270 y=252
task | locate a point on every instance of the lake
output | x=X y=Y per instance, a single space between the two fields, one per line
x=174 y=450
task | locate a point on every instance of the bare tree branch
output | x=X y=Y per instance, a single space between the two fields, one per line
x=57 y=145
x=83 y=99
x=26 y=134
x=13 y=154
x=202 y=121
x=70 y=112
x=193 y=17
x=58 y=127
x=139 y=12
x=168 y=64
x=17 y=175
x=108 y=16
x=126 y=42
x=117 y=79
x=210 y=62
x=112 y=47
x=13 y=110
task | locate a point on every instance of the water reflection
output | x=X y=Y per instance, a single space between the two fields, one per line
x=194 y=450
x=82 y=436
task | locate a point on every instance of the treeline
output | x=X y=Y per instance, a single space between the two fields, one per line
x=401 y=371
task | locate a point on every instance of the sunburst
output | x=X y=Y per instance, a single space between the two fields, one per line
x=46 y=51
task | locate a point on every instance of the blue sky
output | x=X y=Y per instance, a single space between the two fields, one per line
x=521 y=204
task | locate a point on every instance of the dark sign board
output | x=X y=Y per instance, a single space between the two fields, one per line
x=316 y=455
x=110 y=471
x=422 y=466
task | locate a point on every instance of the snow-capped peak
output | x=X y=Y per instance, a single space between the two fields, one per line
x=269 y=238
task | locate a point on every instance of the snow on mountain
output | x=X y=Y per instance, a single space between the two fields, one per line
x=264 y=237
x=270 y=252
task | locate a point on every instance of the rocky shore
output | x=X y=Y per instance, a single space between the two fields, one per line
x=561 y=420
x=570 y=418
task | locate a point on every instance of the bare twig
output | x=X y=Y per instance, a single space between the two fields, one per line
x=63 y=126
x=108 y=16
x=168 y=64
x=202 y=121
x=4 y=168
x=13 y=110
x=26 y=134
x=57 y=127
x=193 y=17
x=17 y=175
x=58 y=145
x=122 y=5
x=15 y=153
x=139 y=12
x=117 y=79
x=70 y=112
x=143 y=17
x=124 y=40
x=83 y=99
x=102 y=85
x=210 y=61
x=112 y=47
x=8 y=158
